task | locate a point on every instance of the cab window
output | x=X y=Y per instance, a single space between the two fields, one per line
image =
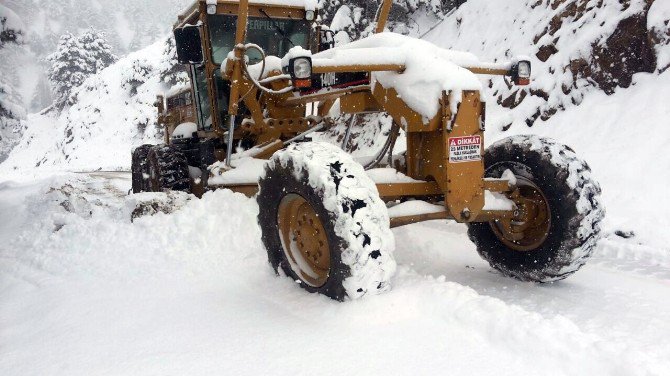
x=265 y=32
x=202 y=99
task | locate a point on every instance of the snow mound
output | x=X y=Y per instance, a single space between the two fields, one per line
x=184 y=130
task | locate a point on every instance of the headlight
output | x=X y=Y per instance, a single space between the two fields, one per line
x=309 y=15
x=521 y=72
x=524 y=69
x=302 y=68
x=211 y=6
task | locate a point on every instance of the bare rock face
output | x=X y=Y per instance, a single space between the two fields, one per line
x=627 y=51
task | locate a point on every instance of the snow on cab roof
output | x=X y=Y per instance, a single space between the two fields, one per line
x=306 y=4
x=428 y=69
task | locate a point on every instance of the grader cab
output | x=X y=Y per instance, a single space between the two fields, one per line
x=265 y=76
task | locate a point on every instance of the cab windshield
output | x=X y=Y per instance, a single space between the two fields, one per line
x=262 y=31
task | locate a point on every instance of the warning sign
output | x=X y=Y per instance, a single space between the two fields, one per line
x=465 y=149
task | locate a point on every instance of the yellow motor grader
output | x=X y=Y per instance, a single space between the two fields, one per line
x=265 y=75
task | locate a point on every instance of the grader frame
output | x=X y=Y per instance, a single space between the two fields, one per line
x=275 y=118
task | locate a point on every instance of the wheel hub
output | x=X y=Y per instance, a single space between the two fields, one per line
x=304 y=240
x=529 y=227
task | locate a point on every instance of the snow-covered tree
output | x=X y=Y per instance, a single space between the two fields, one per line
x=68 y=68
x=170 y=71
x=100 y=54
x=75 y=59
x=12 y=112
x=357 y=17
x=11 y=27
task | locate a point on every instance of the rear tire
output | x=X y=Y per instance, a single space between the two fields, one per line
x=312 y=188
x=167 y=170
x=139 y=169
x=572 y=220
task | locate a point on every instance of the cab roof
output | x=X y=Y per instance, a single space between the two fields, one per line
x=192 y=9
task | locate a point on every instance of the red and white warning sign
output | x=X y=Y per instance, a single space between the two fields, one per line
x=465 y=149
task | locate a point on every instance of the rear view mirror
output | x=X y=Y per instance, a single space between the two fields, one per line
x=326 y=39
x=189 y=47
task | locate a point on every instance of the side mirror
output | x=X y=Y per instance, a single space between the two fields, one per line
x=326 y=39
x=189 y=46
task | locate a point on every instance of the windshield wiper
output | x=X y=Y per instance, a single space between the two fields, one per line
x=277 y=27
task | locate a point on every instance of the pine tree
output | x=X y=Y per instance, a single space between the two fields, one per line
x=74 y=60
x=68 y=69
x=99 y=52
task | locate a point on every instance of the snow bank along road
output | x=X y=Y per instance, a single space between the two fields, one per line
x=85 y=291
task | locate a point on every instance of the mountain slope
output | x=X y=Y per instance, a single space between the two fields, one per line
x=113 y=111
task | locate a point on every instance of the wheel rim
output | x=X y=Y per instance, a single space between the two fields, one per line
x=304 y=240
x=529 y=227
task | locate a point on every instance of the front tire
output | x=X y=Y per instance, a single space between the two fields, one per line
x=167 y=170
x=323 y=223
x=561 y=203
x=139 y=168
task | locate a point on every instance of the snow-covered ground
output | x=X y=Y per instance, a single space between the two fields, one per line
x=86 y=291
x=83 y=290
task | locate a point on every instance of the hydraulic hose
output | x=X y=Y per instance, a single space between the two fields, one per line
x=388 y=145
x=258 y=83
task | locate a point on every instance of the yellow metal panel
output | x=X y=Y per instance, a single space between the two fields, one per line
x=410 y=120
x=408 y=189
x=464 y=161
x=358 y=102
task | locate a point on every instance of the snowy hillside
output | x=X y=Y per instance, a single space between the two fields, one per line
x=113 y=111
x=128 y=25
x=576 y=47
